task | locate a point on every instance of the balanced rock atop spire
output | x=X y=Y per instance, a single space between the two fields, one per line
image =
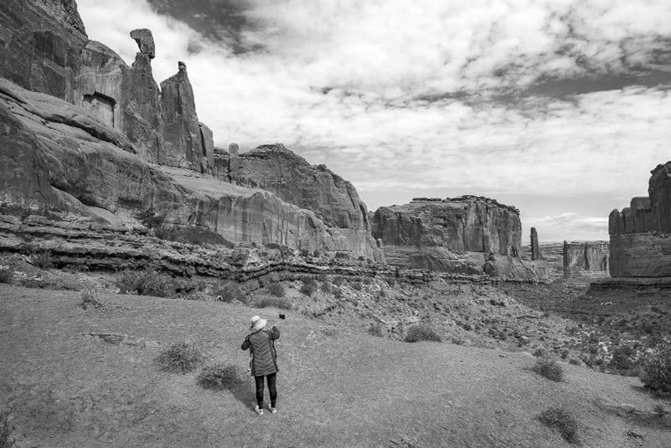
x=145 y=41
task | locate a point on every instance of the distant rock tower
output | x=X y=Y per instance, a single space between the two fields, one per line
x=535 y=248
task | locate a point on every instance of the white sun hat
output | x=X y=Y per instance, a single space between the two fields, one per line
x=257 y=324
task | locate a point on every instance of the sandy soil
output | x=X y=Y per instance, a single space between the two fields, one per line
x=338 y=385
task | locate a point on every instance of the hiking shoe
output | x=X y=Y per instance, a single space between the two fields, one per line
x=272 y=409
x=258 y=410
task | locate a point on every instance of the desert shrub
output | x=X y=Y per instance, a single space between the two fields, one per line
x=376 y=329
x=42 y=259
x=277 y=289
x=624 y=358
x=337 y=293
x=326 y=287
x=309 y=287
x=655 y=370
x=180 y=357
x=562 y=421
x=219 y=376
x=357 y=286
x=574 y=361
x=273 y=302
x=146 y=283
x=422 y=332
x=89 y=298
x=322 y=277
x=548 y=367
x=6 y=274
x=229 y=291
x=339 y=281
x=6 y=429
x=391 y=282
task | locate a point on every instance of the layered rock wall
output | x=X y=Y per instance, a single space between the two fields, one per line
x=40 y=45
x=639 y=234
x=585 y=256
x=464 y=235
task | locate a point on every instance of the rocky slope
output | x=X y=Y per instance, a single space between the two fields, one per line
x=467 y=234
x=639 y=234
x=85 y=137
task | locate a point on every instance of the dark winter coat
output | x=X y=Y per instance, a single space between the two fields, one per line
x=264 y=357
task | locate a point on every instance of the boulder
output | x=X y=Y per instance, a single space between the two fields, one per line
x=145 y=41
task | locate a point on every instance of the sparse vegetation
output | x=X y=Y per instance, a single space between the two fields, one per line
x=326 y=287
x=273 y=302
x=89 y=298
x=562 y=421
x=42 y=259
x=277 y=289
x=6 y=429
x=655 y=370
x=229 y=291
x=146 y=283
x=547 y=366
x=422 y=332
x=6 y=274
x=376 y=329
x=180 y=357
x=357 y=286
x=309 y=287
x=220 y=375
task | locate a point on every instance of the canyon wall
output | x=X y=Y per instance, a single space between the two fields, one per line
x=639 y=234
x=467 y=235
x=585 y=257
x=83 y=133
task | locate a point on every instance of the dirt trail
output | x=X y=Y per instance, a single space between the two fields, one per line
x=338 y=386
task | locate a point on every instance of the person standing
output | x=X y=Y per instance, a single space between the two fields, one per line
x=261 y=343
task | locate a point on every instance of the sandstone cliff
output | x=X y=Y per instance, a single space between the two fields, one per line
x=639 y=234
x=84 y=137
x=467 y=235
x=585 y=257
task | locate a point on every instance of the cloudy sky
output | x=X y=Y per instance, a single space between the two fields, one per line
x=558 y=107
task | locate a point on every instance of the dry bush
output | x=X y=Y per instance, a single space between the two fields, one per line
x=562 y=421
x=219 y=376
x=180 y=357
x=89 y=298
x=273 y=302
x=655 y=370
x=42 y=259
x=6 y=274
x=146 y=283
x=548 y=367
x=6 y=429
x=357 y=286
x=277 y=289
x=309 y=287
x=229 y=291
x=376 y=329
x=422 y=332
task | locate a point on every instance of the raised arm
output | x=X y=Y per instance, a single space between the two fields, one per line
x=246 y=344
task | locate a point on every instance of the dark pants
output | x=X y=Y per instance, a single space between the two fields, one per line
x=271 y=388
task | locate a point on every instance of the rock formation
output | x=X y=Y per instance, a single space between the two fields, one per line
x=186 y=142
x=79 y=139
x=579 y=257
x=535 y=248
x=467 y=234
x=639 y=235
x=40 y=45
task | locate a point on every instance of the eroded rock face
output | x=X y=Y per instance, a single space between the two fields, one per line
x=84 y=167
x=639 y=233
x=467 y=223
x=145 y=41
x=535 y=247
x=586 y=256
x=186 y=143
x=462 y=235
x=40 y=45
